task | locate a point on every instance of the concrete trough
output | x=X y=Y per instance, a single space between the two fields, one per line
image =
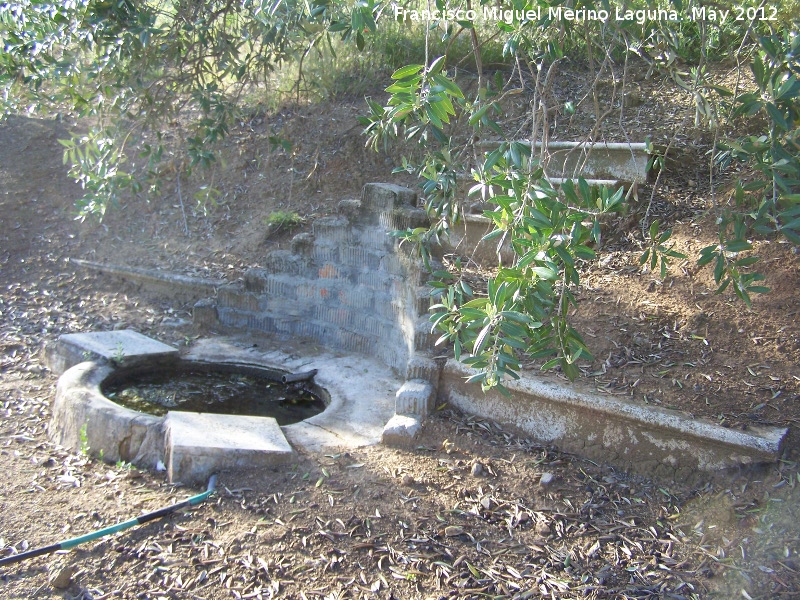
x=614 y=161
x=637 y=438
x=606 y=162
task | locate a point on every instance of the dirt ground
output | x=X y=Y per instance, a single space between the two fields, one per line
x=474 y=510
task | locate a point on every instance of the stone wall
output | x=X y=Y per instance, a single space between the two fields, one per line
x=348 y=284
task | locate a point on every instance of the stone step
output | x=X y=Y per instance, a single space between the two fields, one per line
x=236 y=296
x=288 y=262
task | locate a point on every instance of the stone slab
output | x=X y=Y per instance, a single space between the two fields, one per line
x=125 y=346
x=599 y=160
x=201 y=444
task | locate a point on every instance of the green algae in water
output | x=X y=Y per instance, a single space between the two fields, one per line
x=157 y=393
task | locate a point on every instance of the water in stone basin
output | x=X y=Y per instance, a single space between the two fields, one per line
x=158 y=392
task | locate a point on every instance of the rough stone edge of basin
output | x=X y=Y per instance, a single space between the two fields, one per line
x=123 y=434
x=84 y=419
x=113 y=430
x=718 y=448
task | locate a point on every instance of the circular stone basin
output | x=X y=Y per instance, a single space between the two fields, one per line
x=358 y=394
x=218 y=388
x=221 y=424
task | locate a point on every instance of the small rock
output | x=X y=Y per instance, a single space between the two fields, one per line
x=453 y=530
x=407 y=480
x=61 y=578
x=174 y=322
x=477 y=469
x=632 y=100
x=546 y=479
x=543 y=529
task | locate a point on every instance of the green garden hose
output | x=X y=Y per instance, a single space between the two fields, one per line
x=67 y=544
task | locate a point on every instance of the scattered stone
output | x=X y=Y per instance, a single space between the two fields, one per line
x=407 y=480
x=61 y=577
x=477 y=469
x=448 y=446
x=546 y=479
x=174 y=322
x=414 y=398
x=453 y=531
x=543 y=529
x=401 y=430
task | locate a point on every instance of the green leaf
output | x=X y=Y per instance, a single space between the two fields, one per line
x=789 y=89
x=434 y=118
x=747 y=261
x=448 y=85
x=402 y=87
x=546 y=273
x=407 y=71
x=777 y=116
x=673 y=254
x=653 y=229
x=707 y=254
x=791 y=236
x=757 y=66
x=738 y=246
x=793 y=224
x=476 y=116
x=517 y=316
x=551 y=364
x=719 y=268
x=436 y=66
